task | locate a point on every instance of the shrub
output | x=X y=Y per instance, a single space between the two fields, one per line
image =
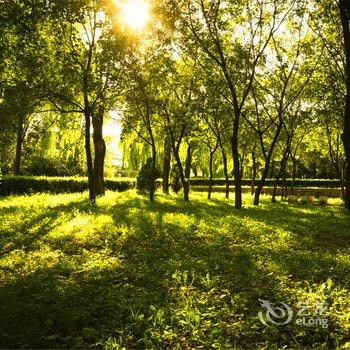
x=41 y=166
x=175 y=182
x=146 y=178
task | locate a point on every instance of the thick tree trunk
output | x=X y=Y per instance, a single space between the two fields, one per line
x=271 y=169
x=90 y=168
x=166 y=165
x=100 y=153
x=19 y=144
x=344 y=15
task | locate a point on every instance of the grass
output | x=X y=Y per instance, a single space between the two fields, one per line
x=131 y=274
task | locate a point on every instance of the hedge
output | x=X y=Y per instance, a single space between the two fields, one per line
x=323 y=183
x=32 y=184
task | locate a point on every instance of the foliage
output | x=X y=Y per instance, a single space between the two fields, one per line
x=125 y=273
x=235 y=80
x=53 y=167
x=147 y=176
x=175 y=182
x=31 y=184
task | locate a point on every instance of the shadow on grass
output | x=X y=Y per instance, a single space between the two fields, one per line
x=181 y=258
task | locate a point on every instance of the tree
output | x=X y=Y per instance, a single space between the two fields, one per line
x=211 y=25
x=176 y=108
x=140 y=112
x=86 y=74
x=279 y=96
x=20 y=64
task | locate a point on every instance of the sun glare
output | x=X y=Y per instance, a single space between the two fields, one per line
x=135 y=13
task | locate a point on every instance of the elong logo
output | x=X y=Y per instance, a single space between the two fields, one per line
x=280 y=313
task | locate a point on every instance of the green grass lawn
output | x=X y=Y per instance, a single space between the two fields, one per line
x=132 y=274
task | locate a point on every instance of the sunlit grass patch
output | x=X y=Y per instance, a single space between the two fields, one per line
x=169 y=274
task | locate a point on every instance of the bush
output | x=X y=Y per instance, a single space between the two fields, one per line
x=128 y=173
x=146 y=179
x=41 y=166
x=30 y=184
x=175 y=182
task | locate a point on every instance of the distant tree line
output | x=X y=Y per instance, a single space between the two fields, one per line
x=221 y=88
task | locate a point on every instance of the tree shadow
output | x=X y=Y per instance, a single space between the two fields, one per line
x=165 y=256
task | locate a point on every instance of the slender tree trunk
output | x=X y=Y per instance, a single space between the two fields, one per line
x=211 y=156
x=195 y=171
x=273 y=199
x=19 y=144
x=255 y=170
x=344 y=15
x=211 y=159
x=281 y=174
x=236 y=164
x=294 y=174
x=181 y=172
x=227 y=177
x=100 y=153
x=188 y=164
x=267 y=165
x=284 y=181
x=166 y=165
x=90 y=168
x=153 y=179
x=342 y=182
x=277 y=180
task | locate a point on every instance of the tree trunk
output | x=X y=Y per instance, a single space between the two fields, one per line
x=344 y=15
x=90 y=168
x=266 y=170
x=153 y=178
x=188 y=164
x=227 y=177
x=281 y=174
x=236 y=165
x=284 y=180
x=19 y=144
x=100 y=153
x=181 y=173
x=342 y=182
x=166 y=165
x=195 y=171
x=294 y=174
x=211 y=159
x=271 y=169
x=255 y=170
